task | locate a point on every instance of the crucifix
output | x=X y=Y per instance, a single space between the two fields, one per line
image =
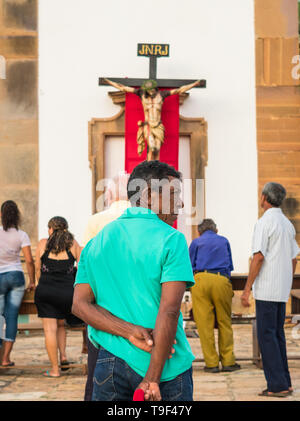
x=151 y=131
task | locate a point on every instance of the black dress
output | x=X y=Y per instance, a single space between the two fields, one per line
x=54 y=293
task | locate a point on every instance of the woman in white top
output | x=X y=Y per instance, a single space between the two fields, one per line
x=12 y=281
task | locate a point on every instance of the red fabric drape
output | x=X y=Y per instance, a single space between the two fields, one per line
x=170 y=118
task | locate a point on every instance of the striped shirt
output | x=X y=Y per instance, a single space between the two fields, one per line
x=274 y=237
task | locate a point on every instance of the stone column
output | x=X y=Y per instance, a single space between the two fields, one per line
x=19 y=109
x=278 y=100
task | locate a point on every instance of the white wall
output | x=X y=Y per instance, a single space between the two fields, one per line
x=84 y=39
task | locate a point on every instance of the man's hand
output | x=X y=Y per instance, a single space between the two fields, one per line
x=245 y=298
x=31 y=286
x=142 y=338
x=151 y=390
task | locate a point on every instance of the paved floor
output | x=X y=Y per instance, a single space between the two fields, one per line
x=29 y=385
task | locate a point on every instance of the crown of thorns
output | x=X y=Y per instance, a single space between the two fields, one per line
x=149 y=84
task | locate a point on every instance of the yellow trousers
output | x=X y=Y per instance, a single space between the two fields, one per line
x=212 y=296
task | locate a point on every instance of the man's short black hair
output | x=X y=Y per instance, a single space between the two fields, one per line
x=147 y=171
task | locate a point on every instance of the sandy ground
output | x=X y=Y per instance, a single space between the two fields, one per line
x=28 y=384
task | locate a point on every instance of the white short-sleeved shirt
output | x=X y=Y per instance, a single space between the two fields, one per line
x=11 y=243
x=274 y=237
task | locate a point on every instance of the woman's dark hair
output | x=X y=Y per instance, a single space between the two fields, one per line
x=144 y=173
x=10 y=215
x=61 y=239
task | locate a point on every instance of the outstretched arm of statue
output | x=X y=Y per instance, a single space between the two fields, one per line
x=184 y=88
x=119 y=86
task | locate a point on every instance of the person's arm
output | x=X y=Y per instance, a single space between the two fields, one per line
x=77 y=249
x=85 y=308
x=193 y=254
x=30 y=267
x=120 y=87
x=295 y=253
x=230 y=257
x=184 y=88
x=99 y=318
x=255 y=266
x=294 y=263
x=163 y=336
x=38 y=253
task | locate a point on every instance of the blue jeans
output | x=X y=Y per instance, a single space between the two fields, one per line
x=12 y=287
x=270 y=317
x=91 y=362
x=114 y=380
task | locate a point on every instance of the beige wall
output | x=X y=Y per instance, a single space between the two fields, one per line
x=278 y=100
x=19 y=109
x=276 y=18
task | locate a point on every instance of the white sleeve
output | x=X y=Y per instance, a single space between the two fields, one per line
x=295 y=249
x=260 y=239
x=25 y=240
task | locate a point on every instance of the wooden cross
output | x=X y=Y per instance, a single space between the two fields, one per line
x=153 y=52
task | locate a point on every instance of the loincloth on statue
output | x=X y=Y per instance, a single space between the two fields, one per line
x=157 y=131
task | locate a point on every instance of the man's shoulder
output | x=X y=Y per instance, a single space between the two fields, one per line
x=173 y=238
x=98 y=215
x=222 y=238
x=265 y=219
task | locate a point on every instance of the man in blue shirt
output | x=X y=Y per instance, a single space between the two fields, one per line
x=212 y=294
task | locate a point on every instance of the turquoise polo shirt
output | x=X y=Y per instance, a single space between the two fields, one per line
x=125 y=265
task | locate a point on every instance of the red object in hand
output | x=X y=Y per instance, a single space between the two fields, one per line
x=138 y=395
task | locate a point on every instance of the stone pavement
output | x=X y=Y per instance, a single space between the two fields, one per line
x=29 y=385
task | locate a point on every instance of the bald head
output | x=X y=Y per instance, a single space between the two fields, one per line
x=117 y=189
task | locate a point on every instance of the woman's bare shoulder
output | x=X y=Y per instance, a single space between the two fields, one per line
x=42 y=242
x=42 y=245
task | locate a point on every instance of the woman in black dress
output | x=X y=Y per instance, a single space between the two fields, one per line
x=55 y=270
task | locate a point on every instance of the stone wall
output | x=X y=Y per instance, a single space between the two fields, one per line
x=278 y=100
x=19 y=109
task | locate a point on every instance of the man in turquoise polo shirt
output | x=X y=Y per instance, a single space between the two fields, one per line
x=129 y=286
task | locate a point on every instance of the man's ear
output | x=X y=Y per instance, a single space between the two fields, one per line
x=262 y=199
x=108 y=197
x=145 y=198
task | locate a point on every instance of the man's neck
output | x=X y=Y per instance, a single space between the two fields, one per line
x=270 y=207
x=267 y=206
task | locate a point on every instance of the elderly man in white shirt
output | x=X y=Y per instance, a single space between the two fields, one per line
x=274 y=251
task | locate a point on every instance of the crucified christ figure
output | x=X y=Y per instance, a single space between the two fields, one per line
x=151 y=131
